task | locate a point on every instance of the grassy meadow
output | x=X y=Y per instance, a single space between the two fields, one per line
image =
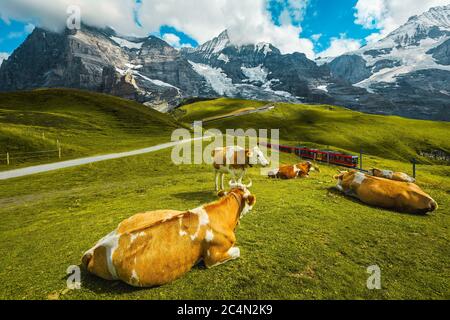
x=85 y=124
x=303 y=240
x=390 y=137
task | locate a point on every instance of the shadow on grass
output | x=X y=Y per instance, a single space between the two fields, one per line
x=336 y=192
x=100 y=286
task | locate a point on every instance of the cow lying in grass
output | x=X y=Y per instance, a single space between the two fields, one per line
x=235 y=161
x=388 y=194
x=391 y=175
x=301 y=170
x=156 y=248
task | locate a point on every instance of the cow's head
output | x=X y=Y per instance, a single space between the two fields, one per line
x=241 y=191
x=309 y=166
x=256 y=157
x=349 y=179
x=344 y=179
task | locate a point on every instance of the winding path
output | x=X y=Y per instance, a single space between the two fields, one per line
x=5 y=175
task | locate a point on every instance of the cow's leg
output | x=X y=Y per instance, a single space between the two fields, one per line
x=216 y=256
x=241 y=176
x=217 y=181
x=222 y=181
x=233 y=176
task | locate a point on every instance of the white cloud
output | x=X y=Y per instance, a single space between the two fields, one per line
x=387 y=15
x=172 y=39
x=316 y=37
x=52 y=14
x=18 y=34
x=3 y=56
x=248 y=21
x=340 y=46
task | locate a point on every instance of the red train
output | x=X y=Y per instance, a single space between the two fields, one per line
x=331 y=157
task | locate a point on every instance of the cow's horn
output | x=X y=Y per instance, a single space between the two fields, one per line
x=250 y=184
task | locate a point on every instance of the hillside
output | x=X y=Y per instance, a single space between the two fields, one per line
x=322 y=126
x=84 y=123
x=303 y=240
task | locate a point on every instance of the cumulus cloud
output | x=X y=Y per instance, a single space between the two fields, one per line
x=172 y=39
x=293 y=11
x=340 y=46
x=175 y=41
x=248 y=21
x=52 y=14
x=3 y=56
x=316 y=37
x=387 y=15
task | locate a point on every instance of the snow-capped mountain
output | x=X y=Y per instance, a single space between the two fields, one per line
x=144 y=69
x=257 y=71
x=407 y=73
x=410 y=67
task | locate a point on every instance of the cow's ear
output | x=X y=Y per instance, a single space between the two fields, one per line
x=221 y=193
x=249 y=153
x=251 y=200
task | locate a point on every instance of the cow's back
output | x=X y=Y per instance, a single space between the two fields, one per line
x=287 y=172
x=160 y=254
x=150 y=249
x=405 y=197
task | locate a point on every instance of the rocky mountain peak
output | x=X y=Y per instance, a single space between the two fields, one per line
x=432 y=24
x=216 y=45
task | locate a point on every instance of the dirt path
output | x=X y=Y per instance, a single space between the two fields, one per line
x=5 y=175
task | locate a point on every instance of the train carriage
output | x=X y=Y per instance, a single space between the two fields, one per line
x=327 y=156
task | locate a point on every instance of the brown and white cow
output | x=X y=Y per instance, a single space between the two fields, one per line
x=391 y=175
x=293 y=171
x=156 y=248
x=235 y=161
x=389 y=194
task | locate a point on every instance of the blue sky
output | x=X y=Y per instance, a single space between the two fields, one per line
x=325 y=18
x=293 y=25
x=332 y=19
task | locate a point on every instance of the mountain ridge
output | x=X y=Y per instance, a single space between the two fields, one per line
x=379 y=78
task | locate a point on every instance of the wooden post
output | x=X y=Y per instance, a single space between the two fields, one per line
x=7 y=158
x=43 y=135
x=414 y=162
x=59 y=152
x=361 y=152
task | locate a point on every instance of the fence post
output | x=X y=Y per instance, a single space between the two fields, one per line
x=414 y=162
x=59 y=152
x=7 y=158
x=361 y=152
